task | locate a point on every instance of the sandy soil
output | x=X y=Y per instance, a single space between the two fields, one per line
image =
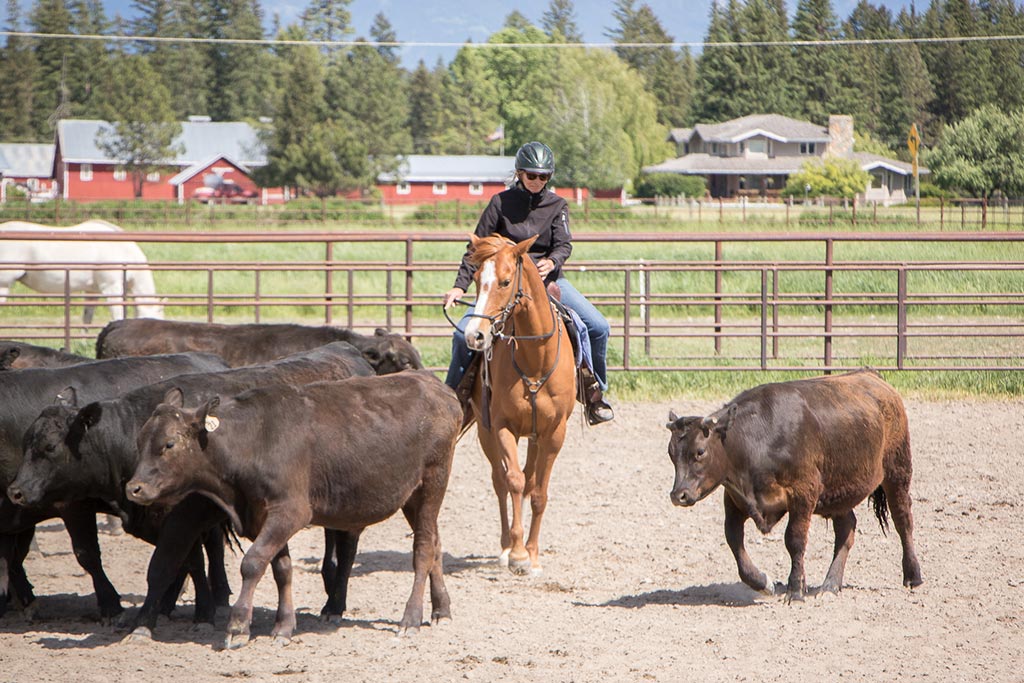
x=633 y=588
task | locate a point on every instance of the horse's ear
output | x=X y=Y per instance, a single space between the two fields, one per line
x=524 y=246
x=473 y=239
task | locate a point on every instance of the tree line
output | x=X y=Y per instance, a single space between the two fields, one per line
x=333 y=117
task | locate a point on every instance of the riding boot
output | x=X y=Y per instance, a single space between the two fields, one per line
x=592 y=397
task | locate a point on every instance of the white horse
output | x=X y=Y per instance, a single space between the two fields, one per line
x=116 y=282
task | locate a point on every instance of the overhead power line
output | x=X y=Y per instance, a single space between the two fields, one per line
x=455 y=45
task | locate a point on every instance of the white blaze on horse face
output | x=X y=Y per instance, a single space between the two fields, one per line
x=476 y=338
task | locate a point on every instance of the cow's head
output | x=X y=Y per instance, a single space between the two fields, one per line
x=698 y=455
x=170 y=450
x=50 y=454
x=389 y=353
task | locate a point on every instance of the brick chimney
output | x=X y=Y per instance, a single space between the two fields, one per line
x=840 y=135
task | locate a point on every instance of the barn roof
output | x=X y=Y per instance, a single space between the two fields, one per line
x=469 y=168
x=201 y=140
x=26 y=160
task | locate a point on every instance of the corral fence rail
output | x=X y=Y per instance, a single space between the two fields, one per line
x=704 y=312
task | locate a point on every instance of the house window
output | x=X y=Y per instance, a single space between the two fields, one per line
x=85 y=172
x=757 y=147
x=714 y=148
x=120 y=174
x=403 y=188
x=476 y=188
x=808 y=148
x=153 y=177
x=440 y=188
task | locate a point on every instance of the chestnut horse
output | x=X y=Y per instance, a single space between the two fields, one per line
x=526 y=386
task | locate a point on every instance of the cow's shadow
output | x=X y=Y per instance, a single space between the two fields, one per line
x=715 y=594
x=394 y=561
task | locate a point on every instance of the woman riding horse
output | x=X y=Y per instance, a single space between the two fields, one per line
x=529 y=209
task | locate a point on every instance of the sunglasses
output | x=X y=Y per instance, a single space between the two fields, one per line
x=537 y=176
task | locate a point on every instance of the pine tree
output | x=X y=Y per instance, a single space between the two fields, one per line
x=818 y=69
x=961 y=73
x=17 y=74
x=559 y=21
x=240 y=85
x=663 y=68
x=425 y=108
x=768 y=72
x=51 y=94
x=719 y=73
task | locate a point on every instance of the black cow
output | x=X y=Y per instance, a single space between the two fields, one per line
x=817 y=446
x=74 y=455
x=23 y=395
x=279 y=458
x=250 y=344
x=17 y=355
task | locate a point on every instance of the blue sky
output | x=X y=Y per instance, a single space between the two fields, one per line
x=449 y=21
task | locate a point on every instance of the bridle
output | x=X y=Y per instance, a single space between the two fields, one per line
x=497 y=332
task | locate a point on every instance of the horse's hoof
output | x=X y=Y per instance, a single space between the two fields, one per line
x=520 y=567
x=139 y=635
x=233 y=641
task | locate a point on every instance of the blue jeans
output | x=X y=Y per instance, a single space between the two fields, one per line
x=597 y=330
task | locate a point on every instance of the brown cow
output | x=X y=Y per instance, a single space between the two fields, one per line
x=813 y=446
x=250 y=344
x=342 y=455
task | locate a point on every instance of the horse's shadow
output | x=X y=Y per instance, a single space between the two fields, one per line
x=711 y=595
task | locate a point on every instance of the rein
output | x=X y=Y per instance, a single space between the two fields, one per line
x=497 y=333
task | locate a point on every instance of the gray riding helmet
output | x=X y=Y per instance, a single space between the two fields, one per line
x=535 y=157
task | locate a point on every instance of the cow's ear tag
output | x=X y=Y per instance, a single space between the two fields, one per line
x=211 y=423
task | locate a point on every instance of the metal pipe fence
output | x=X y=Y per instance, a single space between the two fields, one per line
x=708 y=312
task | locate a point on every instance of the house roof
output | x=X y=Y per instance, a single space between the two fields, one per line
x=678 y=135
x=26 y=160
x=774 y=126
x=201 y=141
x=195 y=169
x=470 y=168
x=706 y=164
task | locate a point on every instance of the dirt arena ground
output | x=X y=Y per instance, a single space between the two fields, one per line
x=633 y=588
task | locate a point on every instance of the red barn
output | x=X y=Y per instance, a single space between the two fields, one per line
x=27 y=166
x=426 y=178
x=84 y=172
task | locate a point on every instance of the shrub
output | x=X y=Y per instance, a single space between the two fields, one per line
x=670 y=185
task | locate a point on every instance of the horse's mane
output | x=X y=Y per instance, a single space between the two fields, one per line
x=486 y=248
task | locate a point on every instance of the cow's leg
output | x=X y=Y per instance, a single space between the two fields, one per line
x=80 y=523
x=179 y=537
x=499 y=480
x=344 y=545
x=329 y=565
x=284 y=523
x=540 y=463
x=797 y=532
x=284 y=623
x=422 y=510
x=213 y=543
x=845 y=527
x=735 y=518
x=897 y=495
x=14 y=584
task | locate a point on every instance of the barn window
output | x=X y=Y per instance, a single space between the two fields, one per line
x=476 y=188
x=85 y=172
x=440 y=188
x=120 y=174
x=33 y=184
x=403 y=188
x=153 y=177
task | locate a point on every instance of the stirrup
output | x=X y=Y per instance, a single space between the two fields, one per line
x=599 y=411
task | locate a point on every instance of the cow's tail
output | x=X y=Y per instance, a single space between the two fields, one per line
x=881 y=509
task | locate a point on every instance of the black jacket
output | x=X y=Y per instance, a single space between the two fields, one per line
x=519 y=215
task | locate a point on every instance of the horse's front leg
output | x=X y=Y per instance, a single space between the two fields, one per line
x=492 y=449
x=507 y=458
x=540 y=463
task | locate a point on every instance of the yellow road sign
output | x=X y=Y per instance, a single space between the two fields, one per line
x=913 y=139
